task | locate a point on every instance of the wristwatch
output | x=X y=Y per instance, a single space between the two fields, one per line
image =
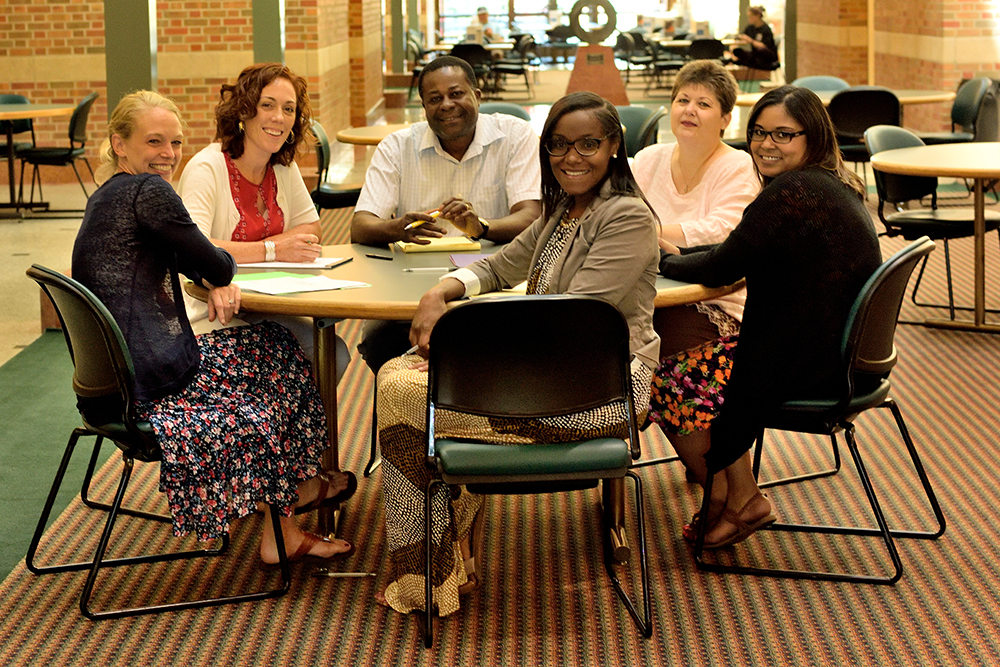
x=486 y=230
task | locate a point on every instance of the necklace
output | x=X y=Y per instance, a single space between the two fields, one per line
x=689 y=182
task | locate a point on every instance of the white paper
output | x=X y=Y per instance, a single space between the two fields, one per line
x=290 y=285
x=318 y=263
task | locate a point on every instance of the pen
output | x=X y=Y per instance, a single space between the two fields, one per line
x=375 y=256
x=341 y=263
x=413 y=349
x=416 y=223
x=327 y=573
x=428 y=268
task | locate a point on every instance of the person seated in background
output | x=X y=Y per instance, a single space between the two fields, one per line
x=596 y=236
x=760 y=48
x=235 y=411
x=479 y=172
x=806 y=246
x=483 y=19
x=245 y=192
x=698 y=188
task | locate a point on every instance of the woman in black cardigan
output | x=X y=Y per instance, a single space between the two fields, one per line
x=806 y=245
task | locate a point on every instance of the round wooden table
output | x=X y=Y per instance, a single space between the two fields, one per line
x=23 y=112
x=370 y=135
x=394 y=294
x=979 y=161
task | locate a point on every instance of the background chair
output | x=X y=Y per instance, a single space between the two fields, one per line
x=821 y=83
x=518 y=63
x=60 y=157
x=325 y=196
x=750 y=76
x=868 y=356
x=641 y=126
x=416 y=53
x=103 y=367
x=559 y=42
x=481 y=61
x=15 y=127
x=937 y=223
x=508 y=108
x=964 y=112
x=853 y=111
x=531 y=360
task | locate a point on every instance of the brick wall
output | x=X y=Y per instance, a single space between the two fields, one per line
x=53 y=51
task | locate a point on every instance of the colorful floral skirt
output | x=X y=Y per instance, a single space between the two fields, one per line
x=689 y=388
x=402 y=408
x=248 y=428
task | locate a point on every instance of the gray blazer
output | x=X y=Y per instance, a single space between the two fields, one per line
x=612 y=256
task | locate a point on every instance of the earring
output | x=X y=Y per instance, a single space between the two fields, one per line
x=615 y=155
x=242 y=129
x=290 y=139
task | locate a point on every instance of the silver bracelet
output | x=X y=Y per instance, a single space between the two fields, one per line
x=269 y=253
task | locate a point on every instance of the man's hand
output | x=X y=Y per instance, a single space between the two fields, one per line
x=421 y=228
x=461 y=214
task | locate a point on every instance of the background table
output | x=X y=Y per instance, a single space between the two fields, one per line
x=369 y=135
x=22 y=112
x=394 y=295
x=979 y=161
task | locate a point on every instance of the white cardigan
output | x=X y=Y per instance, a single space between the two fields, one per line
x=204 y=188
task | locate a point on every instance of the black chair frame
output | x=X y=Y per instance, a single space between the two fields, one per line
x=868 y=351
x=102 y=362
x=555 y=323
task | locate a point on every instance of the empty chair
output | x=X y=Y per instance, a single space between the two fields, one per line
x=416 y=53
x=481 y=61
x=964 y=113
x=60 y=157
x=821 y=83
x=508 y=108
x=559 y=42
x=641 y=126
x=868 y=354
x=853 y=111
x=937 y=223
x=103 y=367
x=706 y=49
x=518 y=63
x=324 y=195
x=533 y=360
x=16 y=127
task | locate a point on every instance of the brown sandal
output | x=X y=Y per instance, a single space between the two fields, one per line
x=324 y=485
x=743 y=529
x=302 y=553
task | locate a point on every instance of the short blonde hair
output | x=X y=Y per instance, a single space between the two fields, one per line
x=122 y=123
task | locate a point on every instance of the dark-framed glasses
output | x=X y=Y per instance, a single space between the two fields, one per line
x=777 y=136
x=586 y=146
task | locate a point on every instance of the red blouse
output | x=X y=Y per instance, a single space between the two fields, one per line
x=253 y=225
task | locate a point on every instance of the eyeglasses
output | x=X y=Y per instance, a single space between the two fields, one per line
x=586 y=146
x=777 y=136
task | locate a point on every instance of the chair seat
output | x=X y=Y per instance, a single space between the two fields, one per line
x=50 y=156
x=938 y=223
x=822 y=416
x=143 y=449
x=465 y=458
x=930 y=138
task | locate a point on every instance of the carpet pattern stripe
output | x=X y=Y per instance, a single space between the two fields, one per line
x=545 y=599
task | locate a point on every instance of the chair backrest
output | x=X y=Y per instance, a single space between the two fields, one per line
x=474 y=54
x=102 y=365
x=857 y=108
x=649 y=131
x=559 y=33
x=16 y=126
x=78 y=121
x=820 y=83
x=897 y=188
x=508 y=108
x=706 y=49
x=322 y=151
x=871 y=325
x=968 y=99
x=532 y=356
x=634 y=119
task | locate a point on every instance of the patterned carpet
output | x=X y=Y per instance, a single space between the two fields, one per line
x=545 y=599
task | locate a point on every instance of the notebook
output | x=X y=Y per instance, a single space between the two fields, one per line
x=442 y=244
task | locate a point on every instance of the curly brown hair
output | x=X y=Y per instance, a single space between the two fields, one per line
x=239 y=103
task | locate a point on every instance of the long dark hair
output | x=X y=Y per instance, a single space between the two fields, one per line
x=239 y=103
x=822 y=150
x=619 y=173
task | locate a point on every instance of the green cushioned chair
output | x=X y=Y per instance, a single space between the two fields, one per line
x=533 y=357
x=868 y=354
x=103 y=368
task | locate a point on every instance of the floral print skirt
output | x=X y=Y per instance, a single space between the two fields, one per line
x=248 y=428
x=688 y=388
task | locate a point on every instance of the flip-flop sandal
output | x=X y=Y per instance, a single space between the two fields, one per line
x=302 y=553
x=321 y=499
x=475 y=549
x=743 y=529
